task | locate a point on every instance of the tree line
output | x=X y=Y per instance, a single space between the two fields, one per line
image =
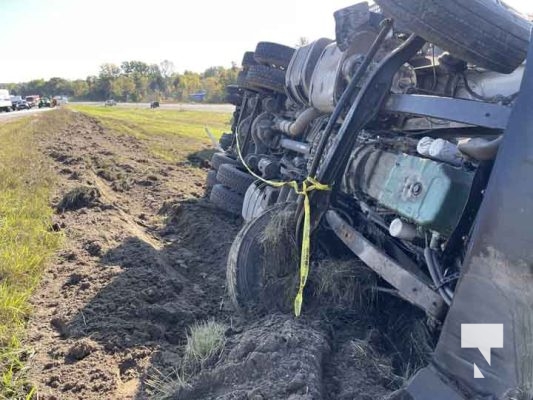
x=135 y=81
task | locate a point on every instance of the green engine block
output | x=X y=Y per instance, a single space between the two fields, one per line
x=426 y=192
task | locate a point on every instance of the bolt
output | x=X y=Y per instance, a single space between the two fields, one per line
x=416 y=189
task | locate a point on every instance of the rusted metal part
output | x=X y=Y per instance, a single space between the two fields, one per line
x=410 y=286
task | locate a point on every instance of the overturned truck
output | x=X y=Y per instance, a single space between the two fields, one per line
x=417 y=118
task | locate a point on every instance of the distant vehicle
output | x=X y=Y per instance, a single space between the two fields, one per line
x=60 y=100
x=198 y=96
x=32 y=100
x=154 y=104
x=5 y=101
x=21 y=105
x=15 y=100
x=44 y=102
x=110 y=103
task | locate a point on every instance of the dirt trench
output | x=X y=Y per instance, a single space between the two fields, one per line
x=143 y=259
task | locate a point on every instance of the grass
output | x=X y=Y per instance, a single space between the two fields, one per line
x=170 y=134
x=26 y=240
x=366 y=357
x=345 y=283
x=205 y=342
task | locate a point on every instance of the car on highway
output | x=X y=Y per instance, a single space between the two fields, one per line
x=60 y=100
x=32 y=100
x=5 y=100
x=15 y=101
x=110 y=103
x=44 y=102
x=21 y=105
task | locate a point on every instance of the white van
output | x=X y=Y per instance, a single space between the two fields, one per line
x=5 y=100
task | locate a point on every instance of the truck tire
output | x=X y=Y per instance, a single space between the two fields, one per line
x=243 y=269
x=248 y=59
x=482 y=32
x=241 y=79
x=226 y=199
x=226 y=140
x=273 y=54
x=246 y=277
x=264 y=77
x=211 y=180
x=233 y=95
x=221 y=158
x=237 y=180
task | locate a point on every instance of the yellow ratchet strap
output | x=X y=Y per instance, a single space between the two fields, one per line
x=308 y=185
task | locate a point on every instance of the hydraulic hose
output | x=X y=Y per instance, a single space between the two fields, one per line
x=296 y=128
x=480 y=149
x=436 y=276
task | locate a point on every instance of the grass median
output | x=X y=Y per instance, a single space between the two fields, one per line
x=26 y=239
x=172 y=135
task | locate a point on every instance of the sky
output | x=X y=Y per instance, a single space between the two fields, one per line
x=72 y=38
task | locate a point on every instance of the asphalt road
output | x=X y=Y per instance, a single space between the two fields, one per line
x=9 y=116
x=222 y=108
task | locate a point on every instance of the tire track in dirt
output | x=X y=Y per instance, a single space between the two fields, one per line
x=124 y=288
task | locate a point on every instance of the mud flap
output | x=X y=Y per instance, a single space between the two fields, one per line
x=496 y=286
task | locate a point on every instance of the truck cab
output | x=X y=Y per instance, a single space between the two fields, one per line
x=5 y=100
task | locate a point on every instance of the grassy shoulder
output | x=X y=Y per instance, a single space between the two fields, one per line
x=171 y=134
x=26 y=240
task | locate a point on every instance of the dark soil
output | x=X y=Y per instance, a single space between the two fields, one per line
x=144 y=258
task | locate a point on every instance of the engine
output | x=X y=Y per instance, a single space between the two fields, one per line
x=417 y=179
x=428 y=191
x=429 y=194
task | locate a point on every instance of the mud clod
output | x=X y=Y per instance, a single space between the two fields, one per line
x=93 y=248
x=79 y=197
x=60 y=325
x=81 y=349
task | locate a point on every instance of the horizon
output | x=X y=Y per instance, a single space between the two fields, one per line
x=67 y=39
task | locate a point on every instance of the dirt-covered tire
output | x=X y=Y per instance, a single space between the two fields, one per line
x=245 y=262
x=482 y=32
x=243 y=269
x=211 y=179
x=219 y=159
x=248 y=59
x=273 y=54
x=232 y=177
x=226 y=199
x=257 y=274
x=265 y=77
x=226 y=140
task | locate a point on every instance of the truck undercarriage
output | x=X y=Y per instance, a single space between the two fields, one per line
x=419 y=124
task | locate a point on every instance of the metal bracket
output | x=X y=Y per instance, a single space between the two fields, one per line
x=408 y=284
x=488 y=115
x=365 y=108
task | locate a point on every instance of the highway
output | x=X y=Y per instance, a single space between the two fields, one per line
x=9 y=116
